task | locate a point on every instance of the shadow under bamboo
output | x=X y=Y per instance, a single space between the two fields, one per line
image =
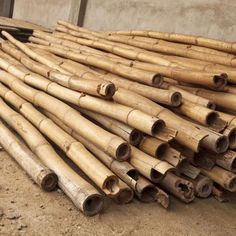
x=83 y=195
x=44 y=177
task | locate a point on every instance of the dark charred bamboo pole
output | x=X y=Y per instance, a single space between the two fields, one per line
x=83 y=195
x=28 y=161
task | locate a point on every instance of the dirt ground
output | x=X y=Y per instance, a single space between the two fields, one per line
x=26 y=210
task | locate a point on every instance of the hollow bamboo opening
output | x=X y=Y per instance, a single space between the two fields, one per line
x=135 y=137
x=93 y=204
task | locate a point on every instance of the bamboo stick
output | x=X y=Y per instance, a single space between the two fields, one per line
x=127 y=115
x=224 y=178
x=83 y=195
x=179 y=187
x=131 y=135
x=110 y=143
x=227 y=160
x=183 y=38
x=143 y=189
x=28 y=161
x=97 y=172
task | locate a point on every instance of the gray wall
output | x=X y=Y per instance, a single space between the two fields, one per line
x=46 y=12
x=212 y=18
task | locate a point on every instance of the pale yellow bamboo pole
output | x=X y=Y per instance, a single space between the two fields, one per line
x=184 y=38
x=83 y=195
x=97 y=88
x=28 y=161
x=110 y=143
x=95 y=170
x=143 y=189
x=179 y=187
x=131 y=135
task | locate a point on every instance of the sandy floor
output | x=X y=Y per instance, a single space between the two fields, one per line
x=26 y=210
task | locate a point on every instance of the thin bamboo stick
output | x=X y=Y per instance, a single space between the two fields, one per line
x=110 y=143
x=184 y=38
x=44 y=177
x=83 y=195
x=96 y=171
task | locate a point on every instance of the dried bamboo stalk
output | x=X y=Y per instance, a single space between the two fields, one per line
x=96 y=171
x=183 y=38
x=83 y=195
x=44 y=177
x=110 y=143
x=227 y=160
x=131 y=135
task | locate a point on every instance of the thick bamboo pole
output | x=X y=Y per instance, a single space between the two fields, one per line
x=224 y=178
x=98 y=88
x=95 y=170
x=128 y=115
x=143 y=189
x=83 y=195
x=110 y=143
x=125 y=194
x=142 y=76
x=27 y=160
x=184 y=38
x=227 y=160
x=230 y=132
x=131 y=135
x=202 y=115
x=179 y=187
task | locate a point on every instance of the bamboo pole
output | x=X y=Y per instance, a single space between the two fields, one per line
x=83 y=195
x=184 y=38
x=230 y=132
x=227 y=160
x=143 y=189
x=202 y=115
x=131 y=135
x=28 y=161
x=179 y=187
x=98 y=88
x=110 y=143
x=128 y=115
x=224 y=178
x=96 y=171
x=130 y=73
x=125 y=194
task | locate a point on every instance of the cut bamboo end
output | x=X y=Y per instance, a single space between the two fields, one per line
x=220 y=81
x=125 y=195
x=203 y=186
x=230 y=132
x=162 y=198
x=211 y=105
x=135 y=137
x=157 y=80
x=93 y=204
x=48 y=180
x=176 y=99
x=122 y=152
x=111 y=186
x=227 y=161
x=107 y=90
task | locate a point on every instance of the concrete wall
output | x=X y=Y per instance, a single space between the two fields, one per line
x=46 y=12
x=212 y=18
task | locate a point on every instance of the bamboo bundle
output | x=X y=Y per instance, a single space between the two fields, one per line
x=84 y=196
x=28 y=161
x=143 y=189
x=157 y=64
x=103 y=178
x=112 y=144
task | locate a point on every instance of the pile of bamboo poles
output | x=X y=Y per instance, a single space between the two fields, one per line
x=140 y=113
